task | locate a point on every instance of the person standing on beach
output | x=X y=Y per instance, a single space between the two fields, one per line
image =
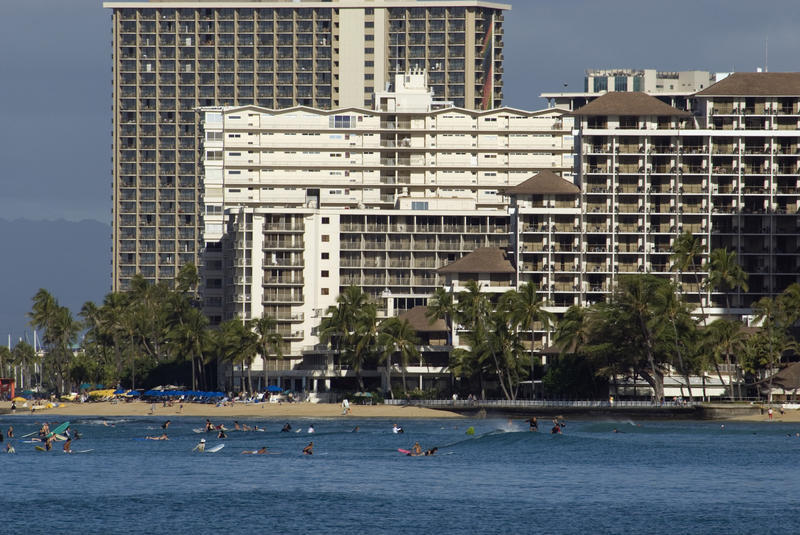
x=769 y=412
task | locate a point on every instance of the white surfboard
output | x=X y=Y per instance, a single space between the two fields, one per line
x=216 y=448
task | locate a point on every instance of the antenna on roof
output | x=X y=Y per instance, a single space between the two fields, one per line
x=766 y=54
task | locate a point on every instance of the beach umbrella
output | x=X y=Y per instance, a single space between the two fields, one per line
x=274 y=388
x=19 y=399
x=133 y=393
x=119 y=391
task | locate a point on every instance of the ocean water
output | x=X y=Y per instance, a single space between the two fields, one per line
x=656 y=477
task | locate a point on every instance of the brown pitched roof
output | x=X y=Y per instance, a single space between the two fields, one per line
x=544 y=183
x=483 y=260
x=757 y=84
x=627 y=103
x=788 y=378
x=419 y=321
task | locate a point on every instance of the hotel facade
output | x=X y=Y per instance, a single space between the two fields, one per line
x=302 y=203
x=171 y=57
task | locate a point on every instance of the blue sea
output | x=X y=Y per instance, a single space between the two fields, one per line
x=652 y=477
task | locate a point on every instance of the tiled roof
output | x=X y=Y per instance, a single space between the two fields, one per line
x=483 y=260
x=544 y=183
x=756 y=84
x=627 y=103
x=419 y=321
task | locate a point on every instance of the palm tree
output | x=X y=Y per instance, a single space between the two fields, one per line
x=636 y=295
x=685 y=252
x=24 y=356
x=726 y=338
x=441 y=305
x=351 y=326
x=398 y=336
x=725 y=273
x=673 y=308
x=269 y=341
x=363 y=340
x=5 y=360
x=189 y=339
x=238 y=346
x=527 y=308
x=774 y=330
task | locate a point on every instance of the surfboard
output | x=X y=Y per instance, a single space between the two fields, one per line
x=82 y=451
x=401 y=450
x=216 y=448
x=60 y=438
x=199 y=430
x=39 y=448
x=60 y=429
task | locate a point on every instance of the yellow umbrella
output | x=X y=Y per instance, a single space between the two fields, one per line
x=18 y=398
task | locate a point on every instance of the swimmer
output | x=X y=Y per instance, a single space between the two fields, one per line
x=396 y=429
x=355 y=429
x=163 y=436
x=556 y=430
x=416 y=449
x=236 y=427
x=261 y=451
x=48 y=444
x=431 y=451
x=10 y=432
x=201 y=446
x=246 y=427
x=222 y=434
x=311 y=428
x=10 y=448
x=533 y=424
x=309 y=450
x=286 y=428
x=68 y=446
x=165 y=425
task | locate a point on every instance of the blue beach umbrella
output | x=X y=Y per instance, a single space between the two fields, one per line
x=273 y=388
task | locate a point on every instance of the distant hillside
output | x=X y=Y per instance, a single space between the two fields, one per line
x=69 y=259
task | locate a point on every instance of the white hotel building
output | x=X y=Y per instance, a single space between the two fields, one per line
x=302 y=202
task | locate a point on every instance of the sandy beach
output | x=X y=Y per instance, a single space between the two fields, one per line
x=237 y=410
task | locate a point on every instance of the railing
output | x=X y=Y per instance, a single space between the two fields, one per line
x=502 y=403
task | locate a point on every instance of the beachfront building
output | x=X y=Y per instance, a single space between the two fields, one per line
x=172 y=56
x=727 y=173
x=303 y=202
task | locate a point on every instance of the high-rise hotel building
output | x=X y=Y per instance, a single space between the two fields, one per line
x=172 y=57
x=301 y=203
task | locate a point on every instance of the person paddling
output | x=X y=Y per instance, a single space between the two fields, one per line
x=201 y=446
x=309 y=450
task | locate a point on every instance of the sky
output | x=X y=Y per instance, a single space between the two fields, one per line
x=55 y=102
x=55 y=76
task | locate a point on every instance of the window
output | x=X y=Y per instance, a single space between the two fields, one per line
x=620 y=83
x=323 y=291
x=341 y=121
x=326 y=220
x=600 y=84
x=369 y=37
x=369 y=51
x=326 y=238
x=325 y=274
x=419 y=205
x=326 y=256
x=637 y=83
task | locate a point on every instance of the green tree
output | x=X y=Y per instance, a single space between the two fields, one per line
x=725 y=339
x=268 y=342
x=24 y=357
x=396 y=336
x=669 y=305
x=725 y=274
x=687 y=255
x=441 y=305
x=189 y=339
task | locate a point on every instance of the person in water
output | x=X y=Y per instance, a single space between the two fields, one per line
x=222 y=434
x=286 y=428
x=165 y=425
x=311 y=428
x=355 y=429
x=201 y=446
x=309 y=450
x=431 y=451
x=236 y=426
x=396 y=429
x=10 y=432
x=260 y=451
x=48 y=443
x=209 y=426
x=556 y=430
x=68 y=446
x=163 y=436
x=533 y=424
x=10 y=448
x=416 y=449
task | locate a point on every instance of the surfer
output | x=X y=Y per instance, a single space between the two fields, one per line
x=286 y=428
x=396 y=429
x=68 y=446
x=416 y=449
x=309 y=450
x=431 y=451
x=10 y=432
x=261 y=451
x=165 y=425
x=533 y=423
x=222 y=434
x=246 y=427
x=236 y=426
x=209 y=426
x=45 y=430
x=355 y=429
x=311 y=428
x=10 y=448
x=201 y=446
x=163 y=436
x=556 y=430
x=48 y=443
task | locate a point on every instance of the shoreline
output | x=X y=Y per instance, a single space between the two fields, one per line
x=238 y=410
x=720 y=413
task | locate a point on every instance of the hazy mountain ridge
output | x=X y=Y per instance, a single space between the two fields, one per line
x=70 y=259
